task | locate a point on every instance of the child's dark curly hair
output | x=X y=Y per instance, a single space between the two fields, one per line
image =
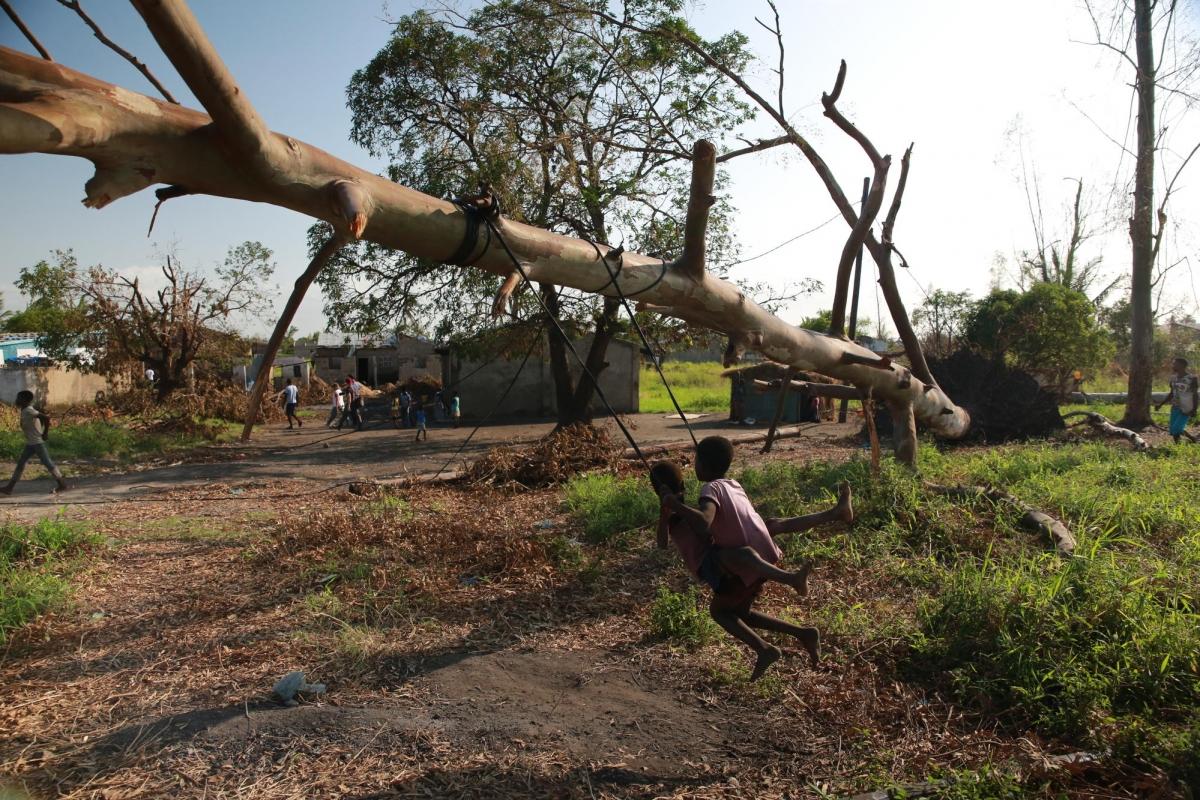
x=668 y=474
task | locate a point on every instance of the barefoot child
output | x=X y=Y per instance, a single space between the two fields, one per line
x=727 y=545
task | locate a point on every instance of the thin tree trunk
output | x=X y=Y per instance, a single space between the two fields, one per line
x=263 y=378
x=585 y=388
x=1141 y=228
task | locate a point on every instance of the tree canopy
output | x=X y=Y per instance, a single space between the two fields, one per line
x=578 y=126
x=1050 y=331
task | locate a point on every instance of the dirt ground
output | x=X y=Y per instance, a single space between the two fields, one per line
x=460 y=660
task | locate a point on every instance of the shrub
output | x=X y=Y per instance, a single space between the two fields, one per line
x=680 y=617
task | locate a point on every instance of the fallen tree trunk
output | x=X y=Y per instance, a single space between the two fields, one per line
x=136 y=141
x=1100 y=424
x=749 y=438
x=1031 y=519
x=834 y=390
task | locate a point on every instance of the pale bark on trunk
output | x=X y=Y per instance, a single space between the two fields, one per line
x=136 y=141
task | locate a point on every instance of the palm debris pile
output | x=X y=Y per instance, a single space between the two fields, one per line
x=555 y=459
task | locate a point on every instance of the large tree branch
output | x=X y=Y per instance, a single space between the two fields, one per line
x=186 y=44
x=47 y=108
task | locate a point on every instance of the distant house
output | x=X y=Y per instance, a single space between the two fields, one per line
x=298 y=368
x=374 y=360
x=481 y=381
x=25 y=366
x=14 y=346
x=1183 y=330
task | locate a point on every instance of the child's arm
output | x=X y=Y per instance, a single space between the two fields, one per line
x=45 y=419
x=664 y=516
x=698 y=519
x=1167 y=399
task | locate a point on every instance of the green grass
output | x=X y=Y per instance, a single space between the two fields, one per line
x=33 y=561
x=698 y=387
x=609 y=507
x=97 y=439
x=1100 y=651
x=681 y=617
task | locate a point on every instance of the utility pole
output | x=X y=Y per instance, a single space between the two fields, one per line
x=854 y=294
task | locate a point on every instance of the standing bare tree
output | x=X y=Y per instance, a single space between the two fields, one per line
x=1129 y=31
x=106 y=321
x=136 y=142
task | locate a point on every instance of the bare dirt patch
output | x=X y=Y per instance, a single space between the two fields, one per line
x=588 y=705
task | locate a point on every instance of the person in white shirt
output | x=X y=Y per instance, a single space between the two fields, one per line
x=336 y=408
x=36 y=427
x=291 y=396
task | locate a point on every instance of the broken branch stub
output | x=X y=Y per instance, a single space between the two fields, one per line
x=136 y=141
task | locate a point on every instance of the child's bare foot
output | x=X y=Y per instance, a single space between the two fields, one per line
x=799 y=579
x=845 y=503
x=766 y=658
x=810 y=640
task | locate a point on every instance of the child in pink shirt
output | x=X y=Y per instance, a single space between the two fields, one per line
x=729 y=546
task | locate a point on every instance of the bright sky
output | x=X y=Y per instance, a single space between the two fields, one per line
x=954 y=77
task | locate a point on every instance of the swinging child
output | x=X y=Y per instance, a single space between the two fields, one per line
x=727 y=545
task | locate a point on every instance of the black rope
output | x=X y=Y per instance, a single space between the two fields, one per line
x=566 y=340
x=645 y=341
x=470 y=236
x=532 y=345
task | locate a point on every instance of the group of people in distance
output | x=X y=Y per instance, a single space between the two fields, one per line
x=346 y=405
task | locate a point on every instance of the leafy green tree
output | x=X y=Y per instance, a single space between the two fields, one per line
x=52 y=304
x=578 y=126
x=1049 y=331
x=941 y=319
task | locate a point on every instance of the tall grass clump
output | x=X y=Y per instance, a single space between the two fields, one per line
x=680 y=617
x=1072 y=648
x=31 y=566
x=1101 y=489
x=608 y=506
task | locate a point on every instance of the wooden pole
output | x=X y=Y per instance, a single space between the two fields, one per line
x=854 y=294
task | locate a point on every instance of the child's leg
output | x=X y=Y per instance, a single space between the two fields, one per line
x=26 y=453
x=741 y=559
x=729 y=619
x=810 y=638
x=842 y=512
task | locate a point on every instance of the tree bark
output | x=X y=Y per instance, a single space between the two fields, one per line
x=1141 y=228
x=136 y=141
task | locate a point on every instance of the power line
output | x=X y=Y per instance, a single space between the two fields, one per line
x=789 y=241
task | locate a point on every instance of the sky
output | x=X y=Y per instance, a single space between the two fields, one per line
x=973 y=85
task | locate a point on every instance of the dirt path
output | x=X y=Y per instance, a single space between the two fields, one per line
x=321 y=456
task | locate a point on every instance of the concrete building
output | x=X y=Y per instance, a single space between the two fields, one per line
x=51 y=386
x=298 y=368
x=480 y=383
x=374 y=360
